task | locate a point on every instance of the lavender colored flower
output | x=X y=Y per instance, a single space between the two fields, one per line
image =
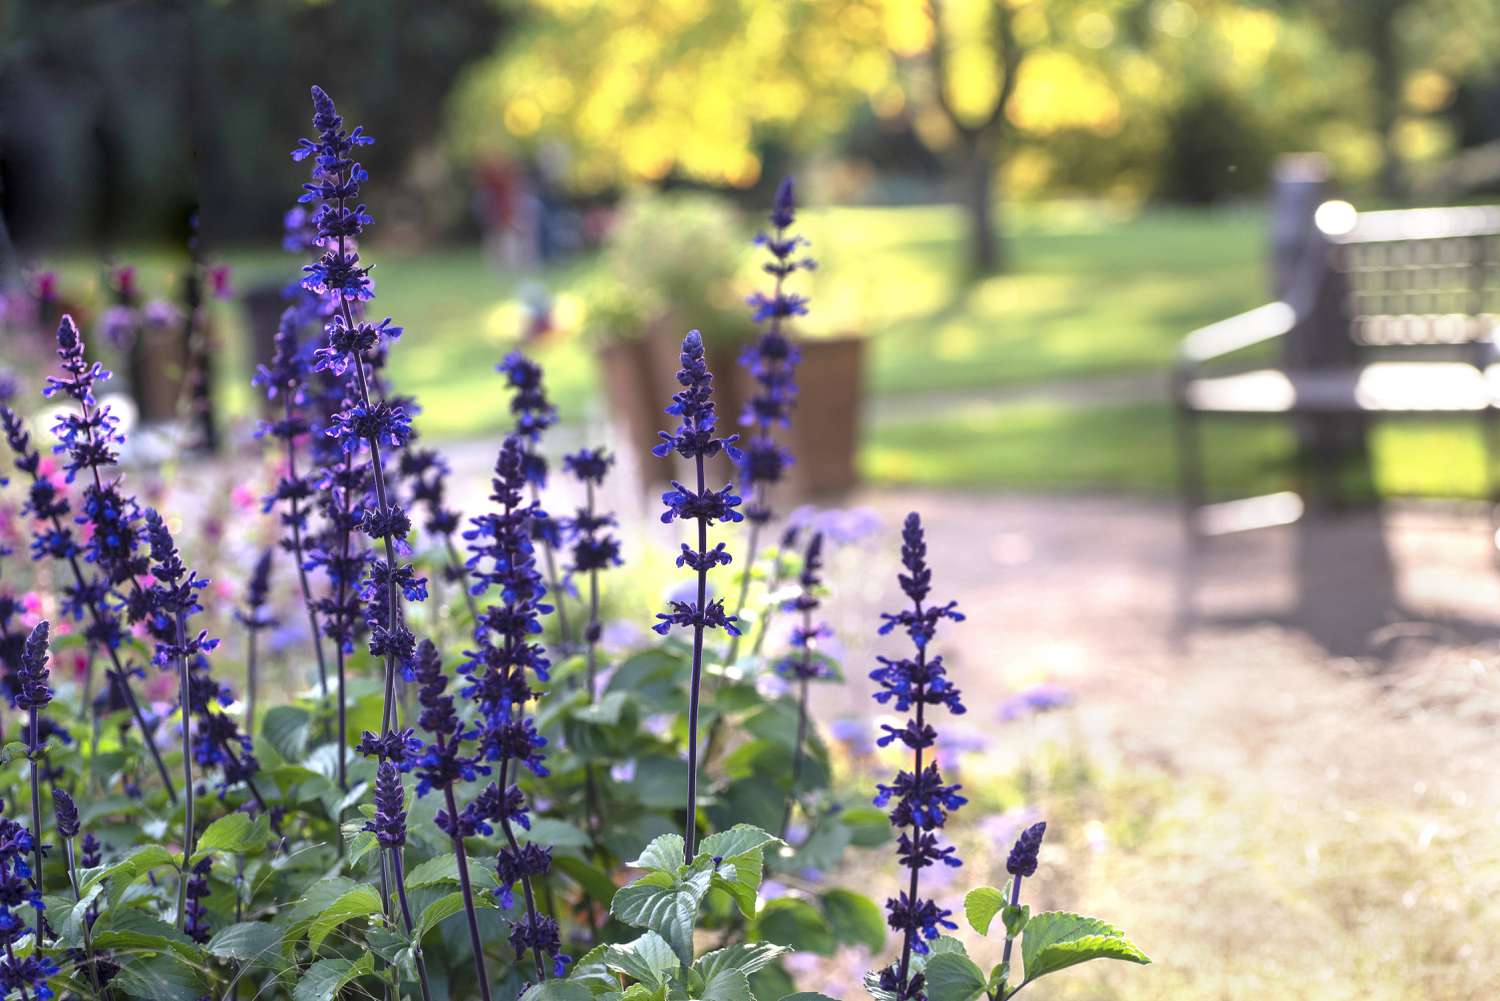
x=66 y=813
x=498 y=675
x=195 y=925
x=389 y=822
x=923 y=800
x=772 y=358
x=1037 y=699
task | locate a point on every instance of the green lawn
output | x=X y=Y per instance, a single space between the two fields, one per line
x=1091 y=291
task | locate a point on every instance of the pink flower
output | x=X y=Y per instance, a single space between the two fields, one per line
x=218 y=280
x=244 y=498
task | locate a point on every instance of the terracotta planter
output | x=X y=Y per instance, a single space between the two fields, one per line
x=158 y=363
x=825 y=429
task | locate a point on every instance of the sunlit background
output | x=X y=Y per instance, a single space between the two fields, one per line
x=1020 y=209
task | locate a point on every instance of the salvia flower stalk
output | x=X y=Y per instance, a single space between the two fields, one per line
x=255 y=620
x=285 y=379
x=440 y=765
x=365 y=422
x=1020 y=864
x=427 y=472
x=498 y=673
x=19 y=888
x=695 y=439
x=772 y=361
x=34 y=681
x=594 y=547
x=89 y=436
x=922 y=799
x=534 y=414
x=389 y=828
x=65 y=817
x=802 y=664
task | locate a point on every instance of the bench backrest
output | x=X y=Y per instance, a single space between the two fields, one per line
x=1421 y=277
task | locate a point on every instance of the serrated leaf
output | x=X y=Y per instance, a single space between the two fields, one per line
x=747 y=957
x=130 y=928
x=1015 y=918
x=558 y=990
x=135 y=864
x=649 y=959
x=438 y=869
x=1055 y=940
x=162 y=977
x=981 y=904
x=246 y=941
x=360 y=902
x=738 y=840
x=665 y=903
x=665 y=854
x=286 y=729
x=236 y=833
x=73 y=924
x=854 y=918
x=953 y=977
x=323 y=979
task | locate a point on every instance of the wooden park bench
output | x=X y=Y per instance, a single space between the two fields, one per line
x=1381 y=315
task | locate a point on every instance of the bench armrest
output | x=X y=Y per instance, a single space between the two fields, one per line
x=1264 y=323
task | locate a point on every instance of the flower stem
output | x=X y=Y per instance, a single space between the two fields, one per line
x=549 y=560
x=250 y=677
x=416 y=947
x=187 y=775
x=307 y=598
x=526 y=891
x=1015 y=898
x=920 y=699
x=87 y=928
x=461 y=857
x=34 y=752
x=797 y=754
x=691 y=834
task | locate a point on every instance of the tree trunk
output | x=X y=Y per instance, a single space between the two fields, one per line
x=986 y=249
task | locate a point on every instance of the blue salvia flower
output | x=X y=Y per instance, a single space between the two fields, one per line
x=196 y=924
x=498 y=675
x=89 y=437
x=389 y=822
x=34 y=685
x=17 y=891
x=66 y=813
x=923 y=800
x=595 y=548
x=695 y=439
x=772 y=358
x=366 y=420
x=443 y=764
x=1021 y=863
x=800 y=663
x=285 y=380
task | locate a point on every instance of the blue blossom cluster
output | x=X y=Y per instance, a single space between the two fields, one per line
x=800 y=663
x=695 y=439
x=389 y=822
x=498 y=673
x=594 y=548
x=18 y=890
x=532 y=411
x=922 y=799
x=772 y=358
x=364 y=419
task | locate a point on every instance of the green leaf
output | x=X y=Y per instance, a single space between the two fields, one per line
x=235 y=833
x=952 y=976
x=324 y=978
x=649 y=959
x=727 y=985
x=286 y=728
x=747 y=957
x=554 y=832
x=135 y=864
x=738 y=840
x=605 y=712
x=246 y=941
x=319 y=897
x=981 y=905
x=795 y=923
x=130 y=928
x=445 y=907
x=558 y=990
x=807 y=996
x=360 y=902
x=665 y=903
x=854 y=918
x=1015 y=919
x=160 y=977
x=665 y=854
x=1055 y=940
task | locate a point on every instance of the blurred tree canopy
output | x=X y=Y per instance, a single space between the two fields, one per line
x=1186 y=99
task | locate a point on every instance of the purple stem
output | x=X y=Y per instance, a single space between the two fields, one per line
x=461 y=856
x=691 y=835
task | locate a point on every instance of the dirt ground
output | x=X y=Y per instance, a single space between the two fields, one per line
x=1293 y=786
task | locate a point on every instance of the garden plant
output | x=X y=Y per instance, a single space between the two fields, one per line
x=473 y=796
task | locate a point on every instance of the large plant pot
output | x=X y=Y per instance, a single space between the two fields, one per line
x=825 y=430
x=637 y=396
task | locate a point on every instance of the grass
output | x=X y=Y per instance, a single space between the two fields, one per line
x=1054 y=446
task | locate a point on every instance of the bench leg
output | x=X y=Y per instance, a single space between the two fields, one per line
x=1191 y=498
